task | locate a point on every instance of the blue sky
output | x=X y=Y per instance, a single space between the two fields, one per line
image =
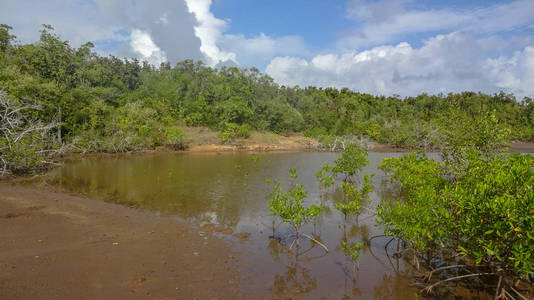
x=383 y=47
x=319 y=23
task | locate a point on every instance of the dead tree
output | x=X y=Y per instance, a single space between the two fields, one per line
x=26 y=144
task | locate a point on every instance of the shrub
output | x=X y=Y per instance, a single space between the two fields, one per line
x=289 y=206
x=476 y=205
x=232 y=131
x=175 y=138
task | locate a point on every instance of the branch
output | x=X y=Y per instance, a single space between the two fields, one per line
x=429 y=274
x=429 y=288
x=316 y=241
x=518 y=294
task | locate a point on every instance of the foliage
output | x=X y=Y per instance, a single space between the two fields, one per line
x=233 y=131
x=289 y=206
x=175 y=138
x=351 y=161
x=477 y=203
x=354 y=197
x=486 y=214
x=352 y=250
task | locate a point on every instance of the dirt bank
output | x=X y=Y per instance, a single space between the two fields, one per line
x=57 y=246
x=291 y=143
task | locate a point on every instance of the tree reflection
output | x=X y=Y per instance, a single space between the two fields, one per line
x=296 y=279
x=394 y=286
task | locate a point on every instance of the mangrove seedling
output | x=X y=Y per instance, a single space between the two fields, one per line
x=354 y=197
x=352 y=250
x=351 y=161
x=289 y=207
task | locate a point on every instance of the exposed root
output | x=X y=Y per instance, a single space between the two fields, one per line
x=316 y=241
x=429 y=288
x=518 y=293
x=429 y=274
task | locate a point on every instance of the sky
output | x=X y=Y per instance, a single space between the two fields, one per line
x=384 y=47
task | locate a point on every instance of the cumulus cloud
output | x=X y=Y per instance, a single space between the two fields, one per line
x=142 y=43
x=446 y=63
x=259 y=50
x=385 y=20
x=220 y=48
x=515 y=73
x=209 y=30
x=471 y=52
x=167 y=23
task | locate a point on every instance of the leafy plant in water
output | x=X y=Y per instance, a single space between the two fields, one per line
x=354 y=197
x=352 y=250
x=351 y=161
x=289 y=206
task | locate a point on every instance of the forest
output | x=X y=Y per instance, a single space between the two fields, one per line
x=52 y=95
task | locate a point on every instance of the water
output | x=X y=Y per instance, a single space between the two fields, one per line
x=228 y=193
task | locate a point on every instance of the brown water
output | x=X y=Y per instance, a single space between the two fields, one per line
x=228 y=192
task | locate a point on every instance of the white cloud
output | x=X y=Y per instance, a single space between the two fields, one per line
x=169 y=23
x=445 y=63
x=375 y=11
x=142 y=43
x=386 y=20
x=236 y=49
x=468 y=57
x=209 y=30
x=515 y=73
x=259 y=50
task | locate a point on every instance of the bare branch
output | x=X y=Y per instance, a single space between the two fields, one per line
x=429 y=288
x=316 y=241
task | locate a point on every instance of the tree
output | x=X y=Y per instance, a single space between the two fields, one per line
x=5 y=37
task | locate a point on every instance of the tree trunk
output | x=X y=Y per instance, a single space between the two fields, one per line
x=59 y=127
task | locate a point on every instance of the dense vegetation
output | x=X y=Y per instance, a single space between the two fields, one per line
x=110 y=104
x=474 y=208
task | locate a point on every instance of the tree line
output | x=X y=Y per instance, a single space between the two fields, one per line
x=105 y=103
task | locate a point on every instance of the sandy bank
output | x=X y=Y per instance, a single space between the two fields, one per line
x=57 y=246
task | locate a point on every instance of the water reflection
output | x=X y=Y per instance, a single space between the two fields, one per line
x=296 y=279
x=229 y=191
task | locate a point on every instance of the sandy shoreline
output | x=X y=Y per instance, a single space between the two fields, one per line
x=59 y=246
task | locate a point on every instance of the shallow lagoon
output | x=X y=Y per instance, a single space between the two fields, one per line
x=227 y=194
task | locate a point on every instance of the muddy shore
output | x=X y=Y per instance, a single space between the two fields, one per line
x=58 y=246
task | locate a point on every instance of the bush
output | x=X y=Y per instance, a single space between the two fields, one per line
x=485 y=214
x=175 y=138
x=233 y=131
x=475 y=206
